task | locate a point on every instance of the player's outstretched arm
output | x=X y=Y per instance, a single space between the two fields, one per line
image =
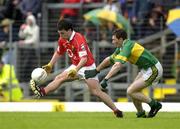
x=105 y=63
x=92 y=73
x=115 y=68
x=48 y=67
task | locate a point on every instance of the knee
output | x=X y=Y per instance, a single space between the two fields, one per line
x=129 y=91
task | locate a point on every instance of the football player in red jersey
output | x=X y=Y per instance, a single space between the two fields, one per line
x=78 y=51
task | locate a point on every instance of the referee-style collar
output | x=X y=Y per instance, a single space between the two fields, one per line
x=72 y=35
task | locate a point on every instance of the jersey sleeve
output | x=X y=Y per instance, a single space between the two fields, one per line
x=112 y=57
x=60 y=50
x=82 y=47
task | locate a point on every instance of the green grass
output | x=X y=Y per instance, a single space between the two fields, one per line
x=86 y=120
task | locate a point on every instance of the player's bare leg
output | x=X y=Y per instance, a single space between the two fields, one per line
x=137 y=103
x=94 y=88
x=140 y=111
x=61 y=78
x=52 y=86
x=56 y=83
x=134 y=91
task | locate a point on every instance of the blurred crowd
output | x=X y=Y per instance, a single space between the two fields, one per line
x=18 y=17
x=146 y=16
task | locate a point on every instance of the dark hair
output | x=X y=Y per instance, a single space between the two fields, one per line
x=64 y=24
x=120 y=33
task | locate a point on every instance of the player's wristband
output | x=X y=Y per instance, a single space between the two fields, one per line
x=97 y=71
x=106 y=79
x=50 y=65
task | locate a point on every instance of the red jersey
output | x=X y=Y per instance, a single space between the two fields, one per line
x=76 y=48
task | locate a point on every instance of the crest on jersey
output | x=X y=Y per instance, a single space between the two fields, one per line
x=83 y=47
x=72 y=48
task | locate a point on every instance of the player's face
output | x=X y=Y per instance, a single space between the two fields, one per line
x=64 y=34
x=117 y=42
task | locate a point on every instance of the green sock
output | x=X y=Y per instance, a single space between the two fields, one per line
x=141 y=114
x=152 y=103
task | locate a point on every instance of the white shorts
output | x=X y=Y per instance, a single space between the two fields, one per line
x=153 y=74
x=82 y=70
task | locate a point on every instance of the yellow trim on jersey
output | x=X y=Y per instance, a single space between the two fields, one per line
x=136 y=52
x=119 y=57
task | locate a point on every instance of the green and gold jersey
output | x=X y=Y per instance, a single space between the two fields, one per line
x=134 y=53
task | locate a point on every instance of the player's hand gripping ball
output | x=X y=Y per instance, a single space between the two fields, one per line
x=47 y=68
x=72 y=73
x=39 y=75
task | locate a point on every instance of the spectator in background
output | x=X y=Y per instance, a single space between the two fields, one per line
x=16 y=93
x=70 y=13
x=11 y=11
x=86 y=2
x=30 y=7
x=5 y=54
x=140 y=10
x=29 y=32
x=113 y=5
x=155 y=20
x=126 y=8
x=4 y=32
x=108 y=27
x=29 y=41
x=4 y=35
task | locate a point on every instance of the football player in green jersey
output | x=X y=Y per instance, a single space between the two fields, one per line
x=150 y=70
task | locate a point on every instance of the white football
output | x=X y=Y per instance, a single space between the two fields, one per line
x=39 y=75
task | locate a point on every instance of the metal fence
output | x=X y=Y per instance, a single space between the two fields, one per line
x=163 y=44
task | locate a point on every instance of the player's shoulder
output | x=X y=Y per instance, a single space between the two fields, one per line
x=78 y=35
x=128 y=43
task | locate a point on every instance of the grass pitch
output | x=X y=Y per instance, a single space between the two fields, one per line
x=86 y=120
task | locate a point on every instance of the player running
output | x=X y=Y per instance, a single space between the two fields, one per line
x=150 y=70
x=77 y=49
